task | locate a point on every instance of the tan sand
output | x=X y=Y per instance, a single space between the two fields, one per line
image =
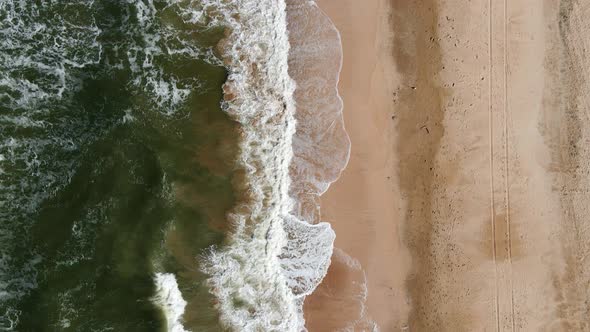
x=466 y=200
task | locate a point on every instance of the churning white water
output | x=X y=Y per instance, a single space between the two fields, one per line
x=169 y=299
x=275 y=254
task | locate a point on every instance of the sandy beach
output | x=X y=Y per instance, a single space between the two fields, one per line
x=464 y=206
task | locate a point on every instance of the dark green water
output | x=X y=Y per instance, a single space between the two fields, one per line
x=115 y=163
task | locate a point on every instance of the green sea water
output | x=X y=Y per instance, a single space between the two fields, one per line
x=116 y=162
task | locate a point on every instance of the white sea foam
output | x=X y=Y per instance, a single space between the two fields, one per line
x=25 y=47
x=321 y=145
x=169 y=299
x=247 y=277
x=128 y=117
x=274 y=255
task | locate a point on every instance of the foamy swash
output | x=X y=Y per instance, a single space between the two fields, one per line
x=273 y=258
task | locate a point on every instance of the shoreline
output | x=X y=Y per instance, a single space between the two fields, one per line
x=359 y=292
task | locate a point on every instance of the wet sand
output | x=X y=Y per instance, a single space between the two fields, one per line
x=363 y=205
x=464 y=206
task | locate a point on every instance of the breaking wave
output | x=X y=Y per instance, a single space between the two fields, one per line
x=169 y=299
x=293 y=145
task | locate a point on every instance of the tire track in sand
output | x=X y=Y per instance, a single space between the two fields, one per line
x=499 y=308
x=491 y=137
x=507 y=164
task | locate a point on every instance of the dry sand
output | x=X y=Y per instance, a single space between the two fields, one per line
x=465 y=205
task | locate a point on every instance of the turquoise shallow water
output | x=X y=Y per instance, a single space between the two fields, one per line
x=115 y=163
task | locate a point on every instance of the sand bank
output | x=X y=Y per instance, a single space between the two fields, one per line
x=465 y=200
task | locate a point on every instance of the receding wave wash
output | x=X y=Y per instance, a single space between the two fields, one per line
x=161 y=163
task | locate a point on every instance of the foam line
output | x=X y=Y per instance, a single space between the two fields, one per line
x=274 y=256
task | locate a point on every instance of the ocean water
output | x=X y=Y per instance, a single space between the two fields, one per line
x=153 y=166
